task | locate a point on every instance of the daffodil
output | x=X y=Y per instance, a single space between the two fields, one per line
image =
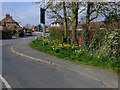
x=75 y=51
x=36 y=38
x=91 y=54
x=98 y=56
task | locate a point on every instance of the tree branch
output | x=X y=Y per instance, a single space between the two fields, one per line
x=57 y=14
x=95 y=16
x=82 y=10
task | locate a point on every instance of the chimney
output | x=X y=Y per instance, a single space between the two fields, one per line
x=7 y=15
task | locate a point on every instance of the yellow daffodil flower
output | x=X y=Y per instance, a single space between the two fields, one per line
x=35 y=38
x=98 y=56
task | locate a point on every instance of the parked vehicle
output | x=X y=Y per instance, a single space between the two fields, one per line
x=28 y=33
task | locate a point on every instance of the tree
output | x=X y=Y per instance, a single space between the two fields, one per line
x=94 y=9
x=65 y=21
x=55 y=8
x=74 y=9
x=111 y=13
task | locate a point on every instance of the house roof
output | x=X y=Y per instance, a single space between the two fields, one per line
x=8 y=18
x=59 y=21
x=32 y=27
x=99 y=24
x=96 y=24
x=92 y=25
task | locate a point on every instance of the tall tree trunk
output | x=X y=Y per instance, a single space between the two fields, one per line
x=86 y=33
x=88 y=17
x=74 y=21
x=65 y=22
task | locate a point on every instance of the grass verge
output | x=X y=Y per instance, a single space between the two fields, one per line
x=74 y=54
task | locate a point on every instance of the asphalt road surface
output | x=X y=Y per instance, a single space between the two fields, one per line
x=21 y=72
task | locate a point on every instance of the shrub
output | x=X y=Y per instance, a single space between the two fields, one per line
x=13 y=32
x=56 y=34
x=111 y=45
x=19 y=33
x=29 y=30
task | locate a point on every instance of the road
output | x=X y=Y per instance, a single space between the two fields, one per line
x=21 y=72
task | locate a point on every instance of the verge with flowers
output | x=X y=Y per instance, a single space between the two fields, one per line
x=73 y=53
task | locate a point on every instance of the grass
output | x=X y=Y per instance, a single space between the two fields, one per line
x=73 y=54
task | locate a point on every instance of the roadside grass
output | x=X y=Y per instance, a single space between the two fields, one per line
x=74 y=54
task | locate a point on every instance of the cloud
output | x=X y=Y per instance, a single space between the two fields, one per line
x=27 y=15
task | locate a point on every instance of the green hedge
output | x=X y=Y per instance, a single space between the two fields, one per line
x=56 y=34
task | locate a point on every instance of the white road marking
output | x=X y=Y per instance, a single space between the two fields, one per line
x=5 y=82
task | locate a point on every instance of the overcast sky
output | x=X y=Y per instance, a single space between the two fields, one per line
x=23 y=12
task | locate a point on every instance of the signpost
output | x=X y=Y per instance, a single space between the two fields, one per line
x=42 y=20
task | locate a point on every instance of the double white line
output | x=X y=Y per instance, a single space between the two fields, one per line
x=5 y=82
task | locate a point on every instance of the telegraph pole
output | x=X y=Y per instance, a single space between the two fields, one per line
x=43 y=20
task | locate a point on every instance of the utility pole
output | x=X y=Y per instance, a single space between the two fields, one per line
x=43 y=20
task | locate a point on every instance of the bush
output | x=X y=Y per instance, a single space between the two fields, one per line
x=56 y=34
x=19 y=33
x=29 y=30
x=13 y=32
x=111 y=45
x=103 y=43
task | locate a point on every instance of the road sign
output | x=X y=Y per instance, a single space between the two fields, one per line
x=42 y=20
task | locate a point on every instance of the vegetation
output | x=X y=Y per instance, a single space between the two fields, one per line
x=19 y=33
x=56 y=34
x=6 y=33
x=74 y=53
x=101 y=46
x=13 y=32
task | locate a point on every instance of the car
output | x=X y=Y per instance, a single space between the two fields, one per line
x=46 y=33
x=28 y=33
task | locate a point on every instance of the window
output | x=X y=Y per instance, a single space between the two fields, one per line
x=57 y=24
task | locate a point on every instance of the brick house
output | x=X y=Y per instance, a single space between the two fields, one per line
x=59 y=23
x=9 y=24
x=100 y=25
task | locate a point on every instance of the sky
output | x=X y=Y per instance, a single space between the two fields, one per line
x=23 y=12
x=27 y=13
